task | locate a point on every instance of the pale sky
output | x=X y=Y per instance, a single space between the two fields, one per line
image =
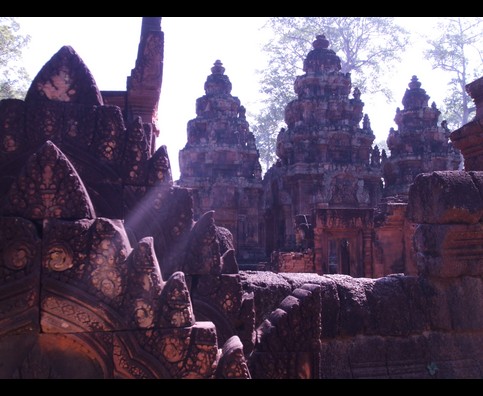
x=108 y=46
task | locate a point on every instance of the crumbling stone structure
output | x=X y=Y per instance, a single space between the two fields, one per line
x=327 y=172
x=105 y=273
x=141 y=97
x=467 y=138
x=427 y=325
x=419 y=145
x=339 y=217
x=89 y=288
x=220 y=164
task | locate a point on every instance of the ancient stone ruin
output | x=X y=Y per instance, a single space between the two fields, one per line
x=109 y=269
x=327 y=174
x=83 y=294
x=419 y=145
x=220 y=164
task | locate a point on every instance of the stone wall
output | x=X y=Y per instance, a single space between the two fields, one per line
x=398 y=326
x=292 y=261
x=392 y=327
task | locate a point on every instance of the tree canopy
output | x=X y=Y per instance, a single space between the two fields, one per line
x=457 y=49
x=13 y=76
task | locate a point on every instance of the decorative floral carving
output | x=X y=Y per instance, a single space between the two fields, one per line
x=143 y=314
x=17 y=255
x=108 y=281
x=59 y=257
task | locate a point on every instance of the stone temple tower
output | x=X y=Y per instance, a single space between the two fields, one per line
x=220 y=163
x=328 y=178
x=418 y=145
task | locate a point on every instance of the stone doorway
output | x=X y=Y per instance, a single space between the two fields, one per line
x=341 y=255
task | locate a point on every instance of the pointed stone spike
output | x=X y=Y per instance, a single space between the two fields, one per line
x=204 y=255
x=160 y=167
x=175 y=304
x=48 y=187
x=145 y=259
x=229 y=263
x=232 y=363
x=145 y=285
x=135 y=157
x=65 y=78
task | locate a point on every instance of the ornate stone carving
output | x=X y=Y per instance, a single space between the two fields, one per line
x=81 y=295
x=326 y=158
x=34 y=194
x=65 y=78
x=283 y=349
x=220 y=163
x=232 y=363
x=418 y=145
x=468 y=137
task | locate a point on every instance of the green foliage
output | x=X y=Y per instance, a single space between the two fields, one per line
x=457 y=50
x=266 y=143
x=13 y=76
x=452 y=110
x=367 y=46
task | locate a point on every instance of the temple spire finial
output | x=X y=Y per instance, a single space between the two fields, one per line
x=320 y=42
x=218 y=67
x=415 y=83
